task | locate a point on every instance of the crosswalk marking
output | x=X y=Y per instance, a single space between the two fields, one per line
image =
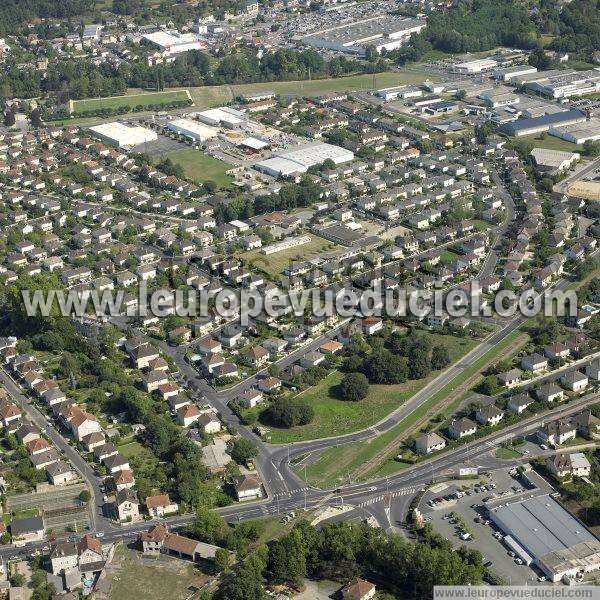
x=295 y=491
x=381 y=497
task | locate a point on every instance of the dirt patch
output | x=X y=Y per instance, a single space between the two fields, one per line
x=585 y=189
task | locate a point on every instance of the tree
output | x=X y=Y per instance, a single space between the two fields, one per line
x=287 y=561
x=243 y=450
x=591 y=148
x=85 y=496
x=440 y=358
x=36 y=117
x=222 y=560
x=17 y=580
x=371 y=53
x=9 y=118
x=354 y=386
x=289 y=412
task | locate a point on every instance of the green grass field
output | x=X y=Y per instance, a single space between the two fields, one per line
x=337 y=462
x=552 y=143
x=130 y=100
x=507 y=453
x=274 y=264
x=335 y=417
x=211 y=96
x=200 y=167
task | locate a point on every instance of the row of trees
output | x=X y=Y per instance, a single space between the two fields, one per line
x=82 y=79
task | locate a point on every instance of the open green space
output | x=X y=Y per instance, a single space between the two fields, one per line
x=341 y=461
x=169 y=578
x=199 y=166
x=551 y=143
x=334 y=417
x=133 y=450
x=130 y=100
x=213 y=95
x=274 y=264
x=507 y=453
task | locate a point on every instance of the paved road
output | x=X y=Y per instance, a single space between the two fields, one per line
x=83 y=467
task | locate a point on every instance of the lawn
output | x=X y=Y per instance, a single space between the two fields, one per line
x=334 y=417
x=337 y=462
x=176 y=580
x=274 y=264
x=130 y=100
x=552 y=143
x=133 y=450
x=199 y=166
x=507 y=453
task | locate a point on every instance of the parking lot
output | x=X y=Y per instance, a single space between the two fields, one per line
x=463 y=520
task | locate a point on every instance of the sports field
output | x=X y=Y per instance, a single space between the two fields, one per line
x=130 y=100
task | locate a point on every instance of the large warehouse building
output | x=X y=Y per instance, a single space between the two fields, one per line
x=123 y=136
x=224 y=117
x=293 y=162
x=578 y=133
x=192 y=129
x=383 y=32
x=522 y=127
x=568 y=84
x=171 y=43
x=542 y=532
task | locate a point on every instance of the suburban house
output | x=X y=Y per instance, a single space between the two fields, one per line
x=569 y=465
x=250 y=398
x=461 y=428
x=535 y=363
x=161 y=505
x=209 y=422
x=549 y=392
x=358 y=589
x=248 y=487
x=429 y=442
x=127 y=506
x=27 y=530
x=575 y=381
x=510 y=378
x=519 y=402
x=489 y=415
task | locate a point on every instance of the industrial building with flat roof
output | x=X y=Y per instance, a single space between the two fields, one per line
x=578 y=133
x=293 y=162
x=123 y=136
x=541 y=531
x=224 y=116
x=171 y=43
x=475 y=66
x=192 y=129
x=566 y=84
x=383 y=32
x=522 y=127
x=510 y=73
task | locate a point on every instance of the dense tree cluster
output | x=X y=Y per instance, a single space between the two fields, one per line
x=342 y=550
x=289 y=412
x=395 y=359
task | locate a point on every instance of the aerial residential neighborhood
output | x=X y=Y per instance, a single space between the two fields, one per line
x=299 y=299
